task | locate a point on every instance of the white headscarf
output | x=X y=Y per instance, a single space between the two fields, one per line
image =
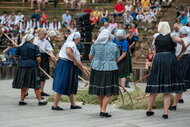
x=72 y=36
x=184 y=30
x=164 y=28
x=120 y=33
x=103 y=37
x=27 y=37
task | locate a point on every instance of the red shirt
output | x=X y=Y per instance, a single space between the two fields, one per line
x=87 y=10
x=119 y=7
x=43 y=18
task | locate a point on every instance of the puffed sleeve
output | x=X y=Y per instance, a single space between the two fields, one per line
x=48 y=47
x=125 y=46
x=71 y=45
x=92 y=50
x=37 y=51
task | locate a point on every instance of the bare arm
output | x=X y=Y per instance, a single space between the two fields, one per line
x=90 y=57
x=38 y=59
x=178 y=40
x=122 y=56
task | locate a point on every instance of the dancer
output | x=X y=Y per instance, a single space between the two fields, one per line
x=27 y=75
x=104 y=78
x=66 y=71
x=122 y=61
x=164 y=77
x=183 y=63
x=44 y=45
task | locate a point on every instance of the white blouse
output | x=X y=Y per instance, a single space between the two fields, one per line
x=43 y=44
x=72 y=45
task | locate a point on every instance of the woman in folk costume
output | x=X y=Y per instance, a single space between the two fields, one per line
x=44 y=45
x=27 y=75
x=66 y=71
x=183 y=63
x=104 y=79
x=122 y=61
x=164 y=77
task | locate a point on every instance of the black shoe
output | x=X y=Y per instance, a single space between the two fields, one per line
x=75 y=107
x=22 y=103
x=165 y=116
x=56 y=108
x=44 y=94
x=149 y=113
x=102 y=114
x=181 y=101
x=174 y=108
x=42 y=103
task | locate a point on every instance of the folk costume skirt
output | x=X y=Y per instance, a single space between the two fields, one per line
x=27 y=77
x=104 y=83
x=187 y=71
x=123 y=68
x=65 y=77
x=164 y=76
x=44 y=64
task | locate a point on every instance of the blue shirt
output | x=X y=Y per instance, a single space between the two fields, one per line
x=66 y=17
x=27 y=54
x=104 y=56
x=11 y=52
x=123 y=44
x=184 y=20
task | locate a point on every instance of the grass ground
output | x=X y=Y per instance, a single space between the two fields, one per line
x=85 y=98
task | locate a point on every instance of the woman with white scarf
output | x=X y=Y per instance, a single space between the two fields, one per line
x=183 y=63
x=164 y=77
x=66 y=71
x=123 y=45
x=104 y=80
x=27 y=75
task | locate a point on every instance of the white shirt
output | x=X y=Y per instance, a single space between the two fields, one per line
x=43 y=44
x=34 y=24
x=19 y=18
x=72 y=45
x=128 y=8
x=186 y=41
x=55 y=26
x=140 y=17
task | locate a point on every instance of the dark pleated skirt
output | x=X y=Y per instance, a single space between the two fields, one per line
x=123 y=68
x=187 y=71
x=164 y=76
x=27 y=77
x=44 y=64
x=104 y=83
x=129 y=64
x=65 y=77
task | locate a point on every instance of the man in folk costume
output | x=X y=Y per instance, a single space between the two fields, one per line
x=34 y=24
x=24 y=26
x=183 y=63
x=44 y=45
x=46 y=25
x=55 y=25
